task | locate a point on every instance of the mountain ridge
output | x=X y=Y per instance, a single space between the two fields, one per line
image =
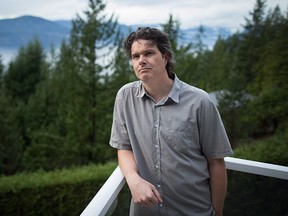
x=18 y=32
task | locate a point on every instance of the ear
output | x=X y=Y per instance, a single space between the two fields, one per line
x=166 y=58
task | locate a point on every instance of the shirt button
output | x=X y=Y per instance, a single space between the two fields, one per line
x=161 y=205
x=158 y=185
x=156 y=146
x=157 y=166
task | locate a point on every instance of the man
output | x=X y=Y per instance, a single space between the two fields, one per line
x=170 y=138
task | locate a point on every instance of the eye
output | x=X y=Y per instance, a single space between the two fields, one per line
x=149 y=53
x=135 y=57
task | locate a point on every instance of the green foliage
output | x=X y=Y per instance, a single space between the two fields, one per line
x=20 y=181
x=268 y=111
x=1 y=71
x=11 y=139
x=257 y=67
x=58 y=113
x=185 y=61
x=270 y=150
x=24 y=73
x=83 y=98
x=19 y=83
x=171 y=28
x=54 y=193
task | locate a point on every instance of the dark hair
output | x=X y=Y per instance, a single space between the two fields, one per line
x=156 y=37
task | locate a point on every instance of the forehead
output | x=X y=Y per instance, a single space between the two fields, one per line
x=142 y=44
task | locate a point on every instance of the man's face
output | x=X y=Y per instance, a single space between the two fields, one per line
x=148 y=62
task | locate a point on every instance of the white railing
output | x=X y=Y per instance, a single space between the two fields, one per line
x=258 y=168
x=104 y=199
x=106 y=196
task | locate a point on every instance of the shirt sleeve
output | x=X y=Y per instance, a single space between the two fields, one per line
x=213 y=137
x=119 y=136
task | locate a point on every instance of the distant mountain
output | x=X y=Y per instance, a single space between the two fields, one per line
x=18 y=32
x=210 y=35
x=64 y=23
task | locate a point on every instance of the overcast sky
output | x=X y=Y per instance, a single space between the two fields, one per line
x=190 y=13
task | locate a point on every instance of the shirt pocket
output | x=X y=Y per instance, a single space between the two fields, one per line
x=180 y=135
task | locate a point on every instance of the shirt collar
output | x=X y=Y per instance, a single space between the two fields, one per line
x=173 y=94
x=141 y=91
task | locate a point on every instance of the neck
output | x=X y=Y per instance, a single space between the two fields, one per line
x=159 y=89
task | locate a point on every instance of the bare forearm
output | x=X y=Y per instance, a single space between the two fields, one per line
x=218 y=184
x=127 y=163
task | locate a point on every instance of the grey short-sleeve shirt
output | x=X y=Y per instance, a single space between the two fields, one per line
x=171 y=141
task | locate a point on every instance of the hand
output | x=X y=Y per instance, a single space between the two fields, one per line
x=143 y=192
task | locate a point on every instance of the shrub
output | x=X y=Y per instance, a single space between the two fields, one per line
x=61 y=192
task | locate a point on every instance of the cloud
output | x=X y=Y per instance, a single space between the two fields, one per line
x=190 y=13
x=52 y=9
x=227 y=13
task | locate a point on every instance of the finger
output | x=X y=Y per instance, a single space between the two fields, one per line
x=157 y=195
x=151 y=203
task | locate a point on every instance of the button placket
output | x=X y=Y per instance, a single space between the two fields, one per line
x=156 y=119
x=157 y=153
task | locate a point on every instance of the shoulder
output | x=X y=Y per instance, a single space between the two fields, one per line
x=130 y=87
x=194 y=93
x=129 y=90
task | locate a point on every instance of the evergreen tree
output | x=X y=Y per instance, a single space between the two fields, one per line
x=11 y=137
x=199 y=47
x=11 y=142
x=251 y=49
x=172 y=29
x=1 y=72
x=92 y=39
x=269 y=109
x=24 y=72
x=45 y=151
x=122 y=71
x=19 y=83
x=78 y=96
x=260 y=70
x=202 y=56
x=185 y=63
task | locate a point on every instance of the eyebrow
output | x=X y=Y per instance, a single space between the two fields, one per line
x=146 y=50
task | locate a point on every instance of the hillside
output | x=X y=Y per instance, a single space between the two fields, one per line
x=17 y=32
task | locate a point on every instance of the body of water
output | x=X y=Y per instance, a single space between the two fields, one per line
x=7 y=54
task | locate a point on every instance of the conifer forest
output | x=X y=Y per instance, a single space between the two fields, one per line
x=56 y=107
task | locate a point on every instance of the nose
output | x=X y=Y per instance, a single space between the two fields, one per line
x=142 y=60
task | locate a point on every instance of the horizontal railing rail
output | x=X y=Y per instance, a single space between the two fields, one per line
x=258 y=168
x=106 y=196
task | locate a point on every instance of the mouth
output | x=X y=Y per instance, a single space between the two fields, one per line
x=143 y=70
